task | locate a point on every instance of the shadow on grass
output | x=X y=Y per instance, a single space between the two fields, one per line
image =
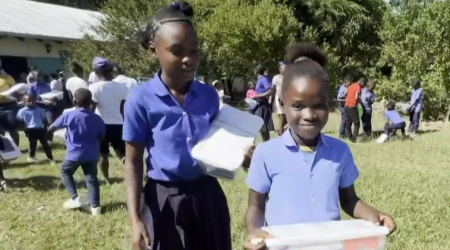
x=17 y=165
x=38 y=183
x=106 y=209
x=112 y=181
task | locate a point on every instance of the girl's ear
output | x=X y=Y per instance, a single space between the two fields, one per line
x=152 y=48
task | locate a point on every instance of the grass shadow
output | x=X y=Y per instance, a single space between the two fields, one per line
x=112 y=181
x=38 y=183
x=18 y=165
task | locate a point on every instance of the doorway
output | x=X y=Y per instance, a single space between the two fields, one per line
x=14 y=65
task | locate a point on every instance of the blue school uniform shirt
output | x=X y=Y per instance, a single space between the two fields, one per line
x=341 y=92
x=262 y=85
x=416 y=99
x=301 y=187
x=32 y=117
x=393 y=116
x=168 y=129
x=38 y=89
x=84 y=131
x=367 y=103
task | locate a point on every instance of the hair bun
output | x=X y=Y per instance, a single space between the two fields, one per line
x=183 y=7
x=303 y=51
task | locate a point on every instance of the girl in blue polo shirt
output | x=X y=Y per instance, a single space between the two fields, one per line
x=164 y=118
x=303 y=176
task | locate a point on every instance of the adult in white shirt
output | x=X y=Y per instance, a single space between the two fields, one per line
x=93 y=78
x=76 y=82
x=56 y=84
x=108 y=98
x=119 y=76
x=219 y=88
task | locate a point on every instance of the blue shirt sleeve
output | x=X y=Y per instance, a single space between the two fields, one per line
x=20 y=114
x=349 y=171
x=60 y=122
x=258 y=178
x=42 y=113
x=31 y=90
x=372 y=98
x=136 y=126
x=341 y=92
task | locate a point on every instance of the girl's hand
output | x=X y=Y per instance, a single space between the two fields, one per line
x=380 y=219
x=256 y=240
x=140 y=238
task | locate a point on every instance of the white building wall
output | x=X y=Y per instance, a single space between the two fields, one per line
x=10 y=46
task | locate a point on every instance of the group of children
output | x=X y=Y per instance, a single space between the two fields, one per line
x=301 y=177
x=88 y=135
x=355 y=100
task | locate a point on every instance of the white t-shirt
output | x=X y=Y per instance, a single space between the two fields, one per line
x=56 y=85
x=93 y=78
x=75 y=83
x=130 y=83
x=109 y=96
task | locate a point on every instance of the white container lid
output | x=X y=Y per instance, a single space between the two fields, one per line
x=221 y=152
x=53 y=94
x=322 y=233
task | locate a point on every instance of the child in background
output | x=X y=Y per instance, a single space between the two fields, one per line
x=251 y=90
x=303 y=176
x=367 y=98
x=342 y=94
x=414 y=109
x=351 y=111
x=34 y=118
x=393 y=121
x=85 y=130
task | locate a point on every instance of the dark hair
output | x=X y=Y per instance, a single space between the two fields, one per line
x=363 y=81
x=54 y=76
x=304 y=60
x=415 y=82
x=348 y=78
x=46 y=78
x=260 y=69
x=76 y=68
x=390 y=105
x=30 y=96
x=83 y=97
x=177 y=12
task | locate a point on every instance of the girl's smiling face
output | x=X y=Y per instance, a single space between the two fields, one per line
x=176 y=46
x=306 y=105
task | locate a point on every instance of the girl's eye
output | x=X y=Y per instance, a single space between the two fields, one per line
x=297 y=106
x=320 y=106
x=177 y=52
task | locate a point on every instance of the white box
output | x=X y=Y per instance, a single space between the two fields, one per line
x=334 y=235
x=222 y=151
x=53 y=94
x=11 y=151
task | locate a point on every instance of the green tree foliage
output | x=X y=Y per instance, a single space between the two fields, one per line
x=417 y=44
x=234 y=34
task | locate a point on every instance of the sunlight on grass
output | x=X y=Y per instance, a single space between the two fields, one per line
x=407 y=179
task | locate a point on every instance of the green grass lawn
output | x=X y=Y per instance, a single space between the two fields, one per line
x=407 y=179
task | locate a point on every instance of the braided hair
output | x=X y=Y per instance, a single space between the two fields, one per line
x=178 y=11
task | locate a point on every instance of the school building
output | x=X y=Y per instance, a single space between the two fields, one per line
x=39 y=34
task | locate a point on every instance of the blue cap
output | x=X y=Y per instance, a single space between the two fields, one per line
x=281 y=63
x=99 y=62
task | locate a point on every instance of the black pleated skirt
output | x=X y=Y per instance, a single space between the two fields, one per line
x=190 y=215
x=264 y=110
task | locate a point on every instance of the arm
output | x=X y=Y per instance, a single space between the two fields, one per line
x=94 y=98
x=254 y=218
x=266 y=94
x=136 y=131
x=134 y=172
x=58 y=124
x=351 y=203
x=259 y=183
x=19 y=115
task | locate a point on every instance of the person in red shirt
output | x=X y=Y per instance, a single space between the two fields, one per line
x=351 y=111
